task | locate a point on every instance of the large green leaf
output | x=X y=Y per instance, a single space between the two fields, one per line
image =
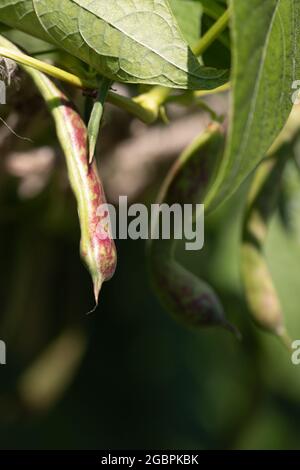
x=266 y=61
x=136 y=41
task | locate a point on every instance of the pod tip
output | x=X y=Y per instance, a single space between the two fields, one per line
x=91 y=155
x=97 y=283
x=285 y=339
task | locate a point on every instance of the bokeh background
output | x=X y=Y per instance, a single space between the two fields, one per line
x=128 y=376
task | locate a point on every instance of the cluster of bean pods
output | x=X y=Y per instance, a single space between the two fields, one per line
x=97 y=246
x=191 y=300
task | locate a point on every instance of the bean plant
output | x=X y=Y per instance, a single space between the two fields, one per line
x=158 y=50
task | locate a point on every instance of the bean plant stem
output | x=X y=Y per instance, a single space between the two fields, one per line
x=123 y=102
x=48 y=69
x=212 y=34
x=221 y=88
x=190 y=97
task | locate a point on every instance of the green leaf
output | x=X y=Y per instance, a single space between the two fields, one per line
x=130 y=41
x=188 y=14
x=266 y=35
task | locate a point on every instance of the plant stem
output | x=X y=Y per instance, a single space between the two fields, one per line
x=48 y=69
x=219 y=89
x=212 y=34
x=146 y=115
x=191 y=97
x=153 y=99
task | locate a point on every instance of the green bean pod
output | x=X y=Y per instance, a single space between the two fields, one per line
x=97 y=246
x=289 y=203
x=188 y=298
x=96 y=117
x=261 y=295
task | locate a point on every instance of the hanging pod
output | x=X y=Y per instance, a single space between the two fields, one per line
x=97 y=246
x=191 y=300
x=264 y=198
x=261 y=295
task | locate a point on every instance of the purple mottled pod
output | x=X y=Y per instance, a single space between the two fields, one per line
x=97 y=246
x=191 y=300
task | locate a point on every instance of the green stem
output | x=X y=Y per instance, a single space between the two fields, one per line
x=212 y=34
x=221 y=88
x=48 y=69
x=153 y=99
x=190 y=97
x=144 y=114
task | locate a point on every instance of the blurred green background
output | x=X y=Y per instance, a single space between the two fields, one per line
x=128 y=376
x=144 y=381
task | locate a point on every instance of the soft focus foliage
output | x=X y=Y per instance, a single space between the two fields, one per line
x=128 y=376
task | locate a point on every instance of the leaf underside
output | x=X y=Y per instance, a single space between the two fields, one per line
x=188 y=14
x=135 y=41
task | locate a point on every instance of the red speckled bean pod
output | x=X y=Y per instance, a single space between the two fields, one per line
x=98 y=251
x=97 y=246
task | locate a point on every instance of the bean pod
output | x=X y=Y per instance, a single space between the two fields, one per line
x=97 y=246
x=191 y=300
x=261 y=295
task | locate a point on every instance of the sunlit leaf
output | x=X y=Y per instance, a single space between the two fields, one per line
x=266 y=37
x=130 y=41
